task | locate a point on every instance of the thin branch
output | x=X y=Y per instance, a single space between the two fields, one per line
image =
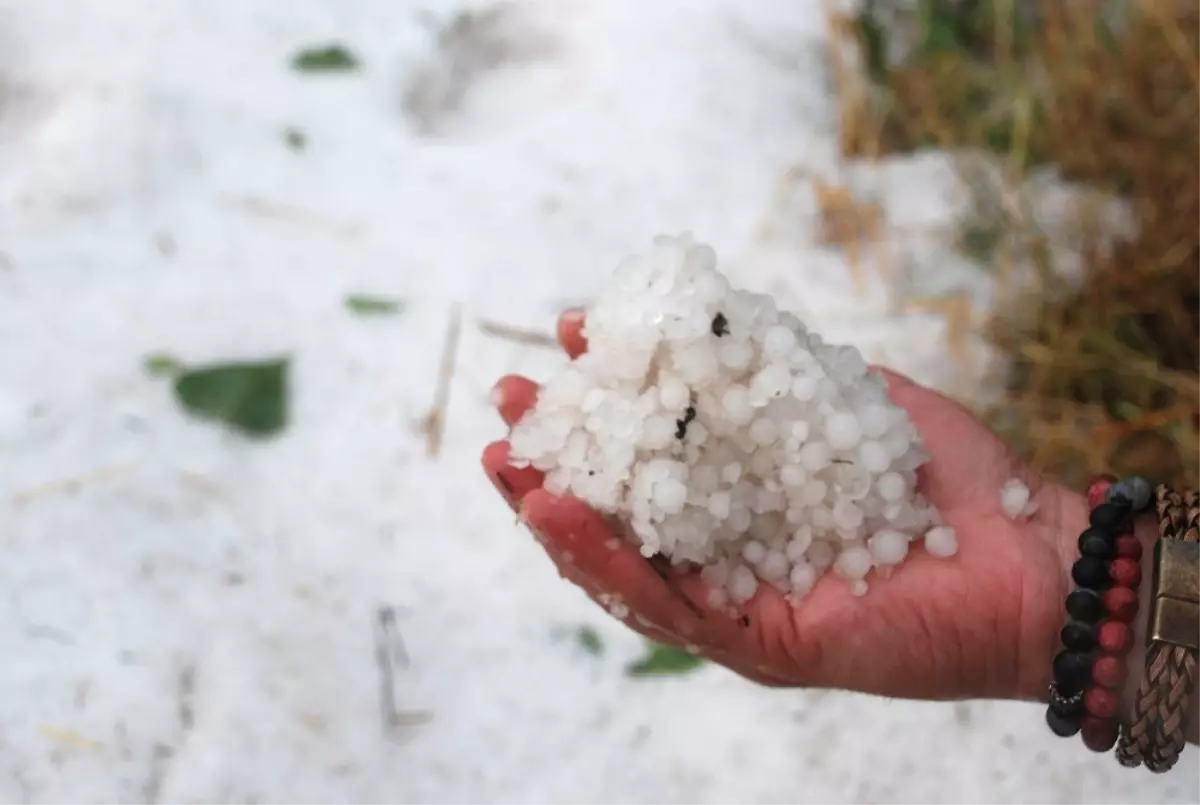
x=434 y=423
x=518 y=335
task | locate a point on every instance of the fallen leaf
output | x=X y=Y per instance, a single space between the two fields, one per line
x=250 y=397
x=662 y=660
x=325 y=59
x=364 y=305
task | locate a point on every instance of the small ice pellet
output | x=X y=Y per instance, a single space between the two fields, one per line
x=1014 y=498
x=888 y=546
x=754 y=552
x=774 y=565
x=891 y=486
x=846 y=515
x=737 y=405
x=843 y=431
x=803 y=577
x=874 y=456
x=778 y=342
x=670 y=495
x=941 y=541
x=763 y=430
x=853 y=563
x=792 y=475
x=821 y=555
x=742 y=584
x=815 y=456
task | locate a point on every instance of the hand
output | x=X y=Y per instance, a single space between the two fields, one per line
x=982 y=624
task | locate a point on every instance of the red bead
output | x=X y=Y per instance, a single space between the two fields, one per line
x=1125 y=573
x=1115 y=638
x=1121 y=603
x=1099 y=734
x=1097 y=489
x=1101 y=702
x=1129 y=547
x=1109 y=672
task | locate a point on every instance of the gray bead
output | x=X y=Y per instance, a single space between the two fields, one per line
x=1135 y=489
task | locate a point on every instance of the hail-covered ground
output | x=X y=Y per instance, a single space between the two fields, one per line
x=331 y=614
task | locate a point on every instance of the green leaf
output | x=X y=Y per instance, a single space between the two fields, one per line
x=295 y=139
x=325 y=59
x=364 y=305
x=661 y=660
x=589 y=639
x=250 y=397
x=162 y=365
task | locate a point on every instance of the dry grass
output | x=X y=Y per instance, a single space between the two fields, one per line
x=1104 y=374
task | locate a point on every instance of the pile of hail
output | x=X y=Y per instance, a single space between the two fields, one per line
x=728 y=436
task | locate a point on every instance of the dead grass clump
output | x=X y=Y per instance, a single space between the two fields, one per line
x=1104 y=372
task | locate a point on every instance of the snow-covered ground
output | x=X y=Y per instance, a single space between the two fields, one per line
x=187 y=616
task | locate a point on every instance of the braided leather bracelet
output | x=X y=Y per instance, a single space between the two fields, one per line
x=1161 y=708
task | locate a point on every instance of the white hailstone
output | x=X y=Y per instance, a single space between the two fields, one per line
x=804 y=387
x=778 y=342
x=843 y=431
x=742 y=584
x=821 y=555
x=792 y=475
x=815 y=456
x=846 y=516
x=763 y=430
x=802 y=576
x=673 y=394
x=853 y=563
x=874 y=457
x=888 y=546
x=774 y=566
x=754 y=552
x=891 y=486
x=1015 y=499
x=736 y=402
x=941 y=541
x=727 y=436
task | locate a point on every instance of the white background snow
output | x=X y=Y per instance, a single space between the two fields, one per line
x=187 y=616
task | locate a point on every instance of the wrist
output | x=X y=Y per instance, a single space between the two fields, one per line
x=1045 y=591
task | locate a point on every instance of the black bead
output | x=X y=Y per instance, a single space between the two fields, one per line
x=720 y=325
x=1109 y=516
x=1098 y=543
x=1072 y=671
x=1078 y=636
x=1064 y=726
x=1090 y=572
x=1071 y=707
x=1085 y=606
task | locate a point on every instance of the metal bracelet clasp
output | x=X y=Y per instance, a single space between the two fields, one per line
x=1175 y=610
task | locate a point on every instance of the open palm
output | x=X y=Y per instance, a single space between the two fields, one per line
x=981 y=624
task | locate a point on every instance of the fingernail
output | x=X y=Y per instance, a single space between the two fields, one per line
x=496 y=395
x=573 y=315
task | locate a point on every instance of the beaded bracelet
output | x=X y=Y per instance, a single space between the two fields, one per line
x=1090 y=670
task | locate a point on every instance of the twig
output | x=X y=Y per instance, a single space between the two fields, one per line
x=390 y=654
x=278 y=211
x=71 y=485
x=532 y=338
x=434 y=423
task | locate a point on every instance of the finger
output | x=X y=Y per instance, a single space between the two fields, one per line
x=513 y=483
x=895 y=380
x=574 y=532
x=613 y=603
x=512 y=396
x=570 y=332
